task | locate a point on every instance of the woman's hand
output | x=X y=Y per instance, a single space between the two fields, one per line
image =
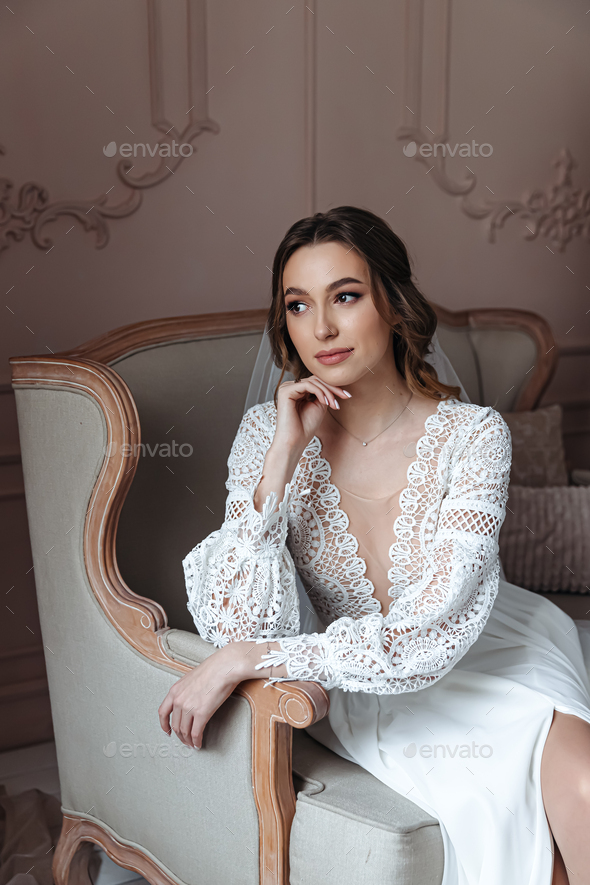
x=192 y=700
x=301 y=406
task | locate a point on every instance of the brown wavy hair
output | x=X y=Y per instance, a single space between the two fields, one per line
x=395 y=296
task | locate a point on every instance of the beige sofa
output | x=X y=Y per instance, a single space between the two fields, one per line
x=110 y=522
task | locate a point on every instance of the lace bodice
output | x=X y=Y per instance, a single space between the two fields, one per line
x=444 y=565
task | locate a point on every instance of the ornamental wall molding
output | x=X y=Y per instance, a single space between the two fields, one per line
x=30 y=210
x=559 y=212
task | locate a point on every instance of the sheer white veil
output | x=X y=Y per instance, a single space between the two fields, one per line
x=265 y=376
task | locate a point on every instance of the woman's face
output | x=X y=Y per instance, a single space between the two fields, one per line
x=329 y=307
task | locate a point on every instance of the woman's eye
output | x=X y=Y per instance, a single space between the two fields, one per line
x=291 y=307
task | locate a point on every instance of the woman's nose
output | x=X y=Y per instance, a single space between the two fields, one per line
x=324 y=328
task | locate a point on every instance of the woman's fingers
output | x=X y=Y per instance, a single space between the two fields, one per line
x=187 y=720
x=325 y=387
x=182 y=722
x=186 y=727
x=164 y=711
x=313 y=385
x=175 y=718
x=332 y=389
x=321 y=392
x=197 y=735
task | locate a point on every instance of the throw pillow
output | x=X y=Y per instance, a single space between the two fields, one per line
x=545 y=539
x=538 y=457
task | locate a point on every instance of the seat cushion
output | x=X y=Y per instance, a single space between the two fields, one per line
x=350 y=825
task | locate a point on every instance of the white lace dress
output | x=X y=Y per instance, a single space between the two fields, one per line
x=448 y=696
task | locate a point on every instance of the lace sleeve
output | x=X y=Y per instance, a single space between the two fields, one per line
x=433 y=624
x=240 y=579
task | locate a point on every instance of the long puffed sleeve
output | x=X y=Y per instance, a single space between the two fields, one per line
x=438 y=617
x=240 y=579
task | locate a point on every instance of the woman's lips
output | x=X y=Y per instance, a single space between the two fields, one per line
x=334 y=357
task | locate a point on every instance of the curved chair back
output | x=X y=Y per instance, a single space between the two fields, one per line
x=505 y=358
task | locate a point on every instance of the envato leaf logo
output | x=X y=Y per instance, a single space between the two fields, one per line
x=410 y=750
x=111 y=149
x=410 y=149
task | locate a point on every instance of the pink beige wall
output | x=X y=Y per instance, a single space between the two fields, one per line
x=308 y=106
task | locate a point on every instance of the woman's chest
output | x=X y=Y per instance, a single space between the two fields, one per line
x=372 y=469
x=354 y=552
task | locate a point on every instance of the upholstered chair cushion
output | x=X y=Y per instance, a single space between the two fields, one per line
x=351 y=827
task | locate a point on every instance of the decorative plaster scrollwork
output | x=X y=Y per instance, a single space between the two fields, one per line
x=33 y=210
x=560 y=213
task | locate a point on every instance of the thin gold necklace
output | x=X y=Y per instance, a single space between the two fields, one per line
x=381 y=431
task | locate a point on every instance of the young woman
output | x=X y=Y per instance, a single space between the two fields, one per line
x=386 y=493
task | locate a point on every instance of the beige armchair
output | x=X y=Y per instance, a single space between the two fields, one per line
x=124 y=443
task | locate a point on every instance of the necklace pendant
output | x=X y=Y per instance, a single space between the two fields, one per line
x=364 y=444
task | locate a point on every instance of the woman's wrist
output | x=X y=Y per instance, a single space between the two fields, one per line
x=242 y=657
x=278 y=469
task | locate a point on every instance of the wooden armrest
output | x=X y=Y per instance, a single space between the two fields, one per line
x=300 y=704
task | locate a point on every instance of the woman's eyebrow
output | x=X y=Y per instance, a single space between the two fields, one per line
x=293 y=290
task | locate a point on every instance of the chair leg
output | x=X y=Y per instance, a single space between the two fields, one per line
x=73 y=853
x=73 y=858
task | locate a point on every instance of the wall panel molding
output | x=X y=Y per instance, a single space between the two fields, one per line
x=310 y=104
x=558 y=211
x=31 y=210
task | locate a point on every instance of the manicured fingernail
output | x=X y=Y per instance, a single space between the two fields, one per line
x=337 y=403
x=326 y=398
x=347 y=393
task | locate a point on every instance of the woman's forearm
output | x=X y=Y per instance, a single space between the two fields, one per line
x=278 y=470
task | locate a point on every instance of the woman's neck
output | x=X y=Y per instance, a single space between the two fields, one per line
x=376 y=399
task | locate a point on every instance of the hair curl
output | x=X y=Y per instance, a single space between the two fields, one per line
x=396 y=297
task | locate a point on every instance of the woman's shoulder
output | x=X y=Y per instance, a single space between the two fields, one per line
x=468 y=416
x=259 y=423
x=473 y=424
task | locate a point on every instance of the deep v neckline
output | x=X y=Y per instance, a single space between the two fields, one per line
x=430 y=422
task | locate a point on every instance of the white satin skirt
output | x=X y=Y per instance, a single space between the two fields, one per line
x=468 y=748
